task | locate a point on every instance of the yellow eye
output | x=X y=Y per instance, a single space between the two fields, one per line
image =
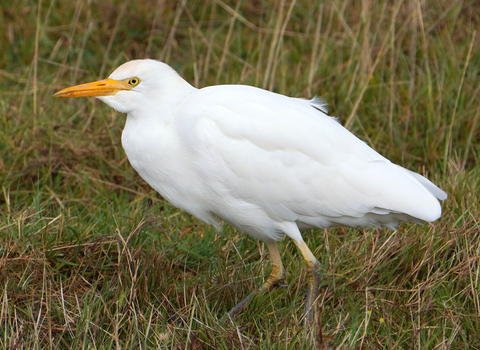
x=134 y=81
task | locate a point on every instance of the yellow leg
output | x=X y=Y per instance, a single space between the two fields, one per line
x=276 y=279
x=314 y=278
x=277 y=276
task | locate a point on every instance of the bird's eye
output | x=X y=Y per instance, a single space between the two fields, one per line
x=134 y=81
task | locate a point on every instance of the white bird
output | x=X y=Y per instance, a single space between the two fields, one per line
x=267 y=164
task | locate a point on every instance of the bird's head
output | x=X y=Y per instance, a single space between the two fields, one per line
x=132 y=86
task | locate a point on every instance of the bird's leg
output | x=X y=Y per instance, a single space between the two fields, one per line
x=314 y=278
x=277 y=276
x=276 y=279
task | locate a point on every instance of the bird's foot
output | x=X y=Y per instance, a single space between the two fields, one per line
x=276 y=280
x=237 y=309
x=314 y=278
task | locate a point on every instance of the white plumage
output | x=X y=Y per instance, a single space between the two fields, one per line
x=265 y=163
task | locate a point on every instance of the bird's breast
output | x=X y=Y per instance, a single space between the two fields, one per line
x=156 y=153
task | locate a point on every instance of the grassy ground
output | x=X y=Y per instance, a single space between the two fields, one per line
x=92 y=258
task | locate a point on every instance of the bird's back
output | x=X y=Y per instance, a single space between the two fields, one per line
x=265 y=158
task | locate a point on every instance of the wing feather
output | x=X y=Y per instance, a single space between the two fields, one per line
x=286 y=157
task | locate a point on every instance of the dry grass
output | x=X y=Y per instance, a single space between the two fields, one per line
x=92 y=258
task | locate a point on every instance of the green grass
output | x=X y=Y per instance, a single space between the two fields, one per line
x=92 y=258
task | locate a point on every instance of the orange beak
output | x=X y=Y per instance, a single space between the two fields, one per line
x=106 y=87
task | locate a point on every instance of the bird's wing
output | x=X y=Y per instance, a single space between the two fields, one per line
x=287 y=157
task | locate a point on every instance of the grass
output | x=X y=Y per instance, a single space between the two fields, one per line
x=92 y=258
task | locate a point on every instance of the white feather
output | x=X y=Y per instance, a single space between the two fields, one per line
x=265 y=163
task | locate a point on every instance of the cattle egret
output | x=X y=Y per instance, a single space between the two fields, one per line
x=267 y=164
